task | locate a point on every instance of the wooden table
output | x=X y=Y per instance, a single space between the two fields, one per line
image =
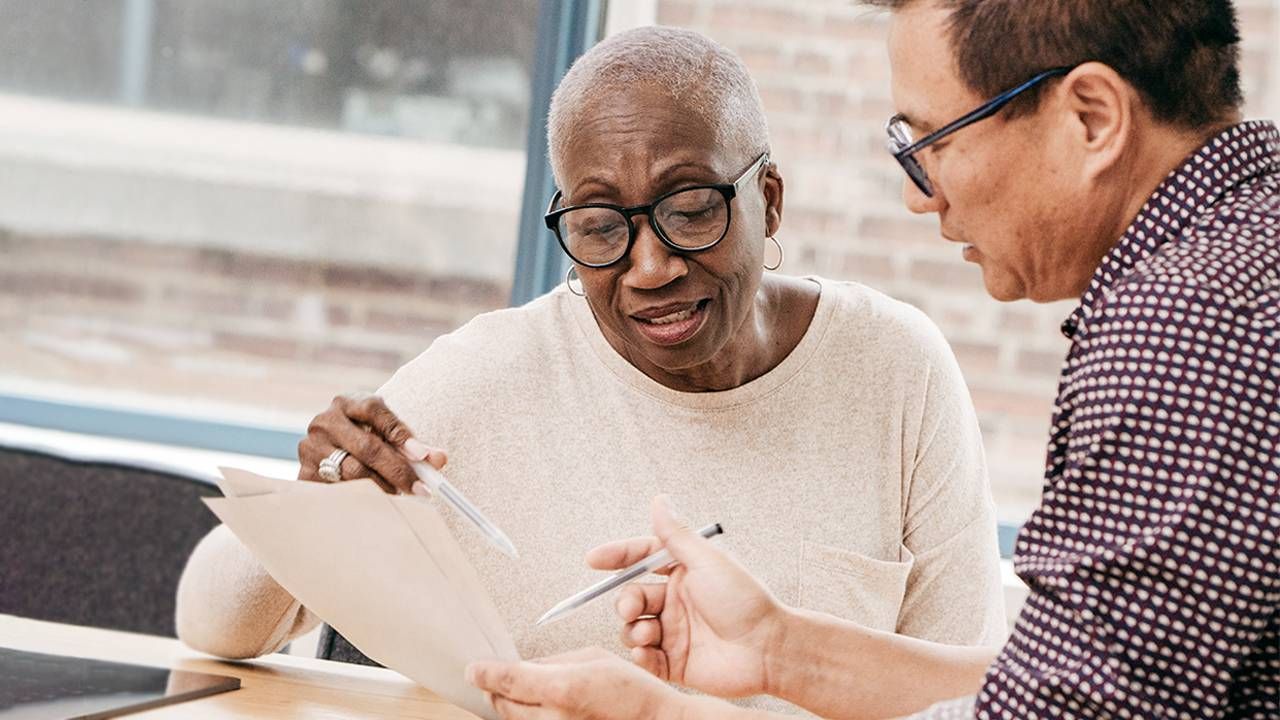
x=275 y=686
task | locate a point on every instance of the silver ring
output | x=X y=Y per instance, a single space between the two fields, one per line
x=330 y=469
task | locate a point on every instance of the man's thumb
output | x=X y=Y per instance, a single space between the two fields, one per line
x=686 y=546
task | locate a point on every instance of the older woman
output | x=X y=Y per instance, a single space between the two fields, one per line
x=826 y=425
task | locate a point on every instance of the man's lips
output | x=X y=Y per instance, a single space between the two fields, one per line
x=967 y=249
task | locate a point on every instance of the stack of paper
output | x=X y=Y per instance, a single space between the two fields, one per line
x=381 y=569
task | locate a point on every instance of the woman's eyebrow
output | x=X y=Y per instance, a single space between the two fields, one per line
x=666 y=175
x=596 y=184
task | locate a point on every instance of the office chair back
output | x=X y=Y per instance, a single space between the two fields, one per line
x=96 y=542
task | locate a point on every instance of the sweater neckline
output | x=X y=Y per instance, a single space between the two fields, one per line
x=749 y=392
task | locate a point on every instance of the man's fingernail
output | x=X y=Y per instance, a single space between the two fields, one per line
x=420 y=489
x=416 y=448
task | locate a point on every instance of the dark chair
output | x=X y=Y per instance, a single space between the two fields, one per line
x=96 y=542
x=333 y=646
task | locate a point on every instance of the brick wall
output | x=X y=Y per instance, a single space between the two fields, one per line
x=220 y=330
x=208 y=327
x=822 y=70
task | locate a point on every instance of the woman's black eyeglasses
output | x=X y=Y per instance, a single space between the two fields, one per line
x=904 y=148
x=687 y=220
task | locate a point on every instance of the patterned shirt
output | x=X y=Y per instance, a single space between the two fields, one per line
x=1153 y=560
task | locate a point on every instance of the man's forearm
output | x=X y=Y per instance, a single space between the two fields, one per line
x=838 y=669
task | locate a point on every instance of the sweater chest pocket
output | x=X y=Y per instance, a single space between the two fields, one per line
x=853 y=586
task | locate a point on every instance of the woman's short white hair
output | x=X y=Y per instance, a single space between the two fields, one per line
x=703 y=77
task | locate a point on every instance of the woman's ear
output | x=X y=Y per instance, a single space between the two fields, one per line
x=773 y=192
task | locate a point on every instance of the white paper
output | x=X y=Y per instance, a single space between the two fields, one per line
x=381 y=569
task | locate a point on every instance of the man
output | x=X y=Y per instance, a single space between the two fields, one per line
x=1111 y=165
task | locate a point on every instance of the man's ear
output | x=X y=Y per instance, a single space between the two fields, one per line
x=1100 y=114
x=773 y=192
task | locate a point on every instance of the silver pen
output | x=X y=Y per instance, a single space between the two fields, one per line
x=656 y=561
x=437 y=483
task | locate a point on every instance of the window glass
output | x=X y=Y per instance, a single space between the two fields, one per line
x=241 y=207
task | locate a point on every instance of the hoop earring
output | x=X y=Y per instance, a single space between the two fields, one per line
x=569 y=277
x=781 y=255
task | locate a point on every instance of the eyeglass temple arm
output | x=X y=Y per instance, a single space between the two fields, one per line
x=991 y=107
x=551 y=207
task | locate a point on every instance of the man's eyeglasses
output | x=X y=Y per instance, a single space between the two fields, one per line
x=687 y=220
x=904 y=147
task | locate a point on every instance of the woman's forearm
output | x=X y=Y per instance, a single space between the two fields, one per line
x=837 y=669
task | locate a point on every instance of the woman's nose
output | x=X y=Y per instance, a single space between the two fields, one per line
x=652 y=263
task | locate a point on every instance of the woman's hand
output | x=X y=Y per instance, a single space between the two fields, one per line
x=380 y=445
x=590 y=684
x=711 y=626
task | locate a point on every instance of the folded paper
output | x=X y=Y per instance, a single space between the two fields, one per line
x=382 y=569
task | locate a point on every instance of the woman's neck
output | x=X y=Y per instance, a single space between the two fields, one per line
x=776 y=323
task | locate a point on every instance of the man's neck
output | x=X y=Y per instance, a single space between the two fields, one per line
x=1161 y=150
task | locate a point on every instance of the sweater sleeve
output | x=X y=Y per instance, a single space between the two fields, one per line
x=954 y=592
x=229 y=606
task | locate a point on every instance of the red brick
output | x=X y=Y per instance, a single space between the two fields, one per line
x=245 y=267
x=264 y=346
x=1013 y=405
x=43 y=284
x=740 y=15
x=222 y=302
x=415 y=324
x=1040 y=363
x=484 y=294
x=899 y=228
x=867 y=266
x=680 y=13
x=976 y=356
x=946 y=274
x=812 y=63
x=353 y=356
x=1017 y=320
x=356 y=277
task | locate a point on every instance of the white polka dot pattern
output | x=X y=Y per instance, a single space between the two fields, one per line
x=1153 y=559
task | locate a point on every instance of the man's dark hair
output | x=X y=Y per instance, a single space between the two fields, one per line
x=1183 y=56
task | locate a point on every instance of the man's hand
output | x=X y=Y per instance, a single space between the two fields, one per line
x=380 y=445
x=589 y=684
x=711 y=626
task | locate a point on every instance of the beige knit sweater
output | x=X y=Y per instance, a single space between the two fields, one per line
x=850 y=478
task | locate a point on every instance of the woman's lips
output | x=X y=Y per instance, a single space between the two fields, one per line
x=675 y=326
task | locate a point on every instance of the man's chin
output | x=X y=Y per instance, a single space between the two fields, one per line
x=1002 y=288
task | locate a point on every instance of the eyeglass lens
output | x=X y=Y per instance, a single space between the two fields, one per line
x=694 y=219
x=900 y=137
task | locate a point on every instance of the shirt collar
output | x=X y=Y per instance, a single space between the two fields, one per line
x=1226 y=161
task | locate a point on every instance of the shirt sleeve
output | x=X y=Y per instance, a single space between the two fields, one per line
x=229 y=606
x=1152 y=561
x=954 y=592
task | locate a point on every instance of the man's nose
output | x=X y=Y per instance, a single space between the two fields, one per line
x=917 y=202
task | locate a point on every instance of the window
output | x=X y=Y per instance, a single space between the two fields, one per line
x=236 y=208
